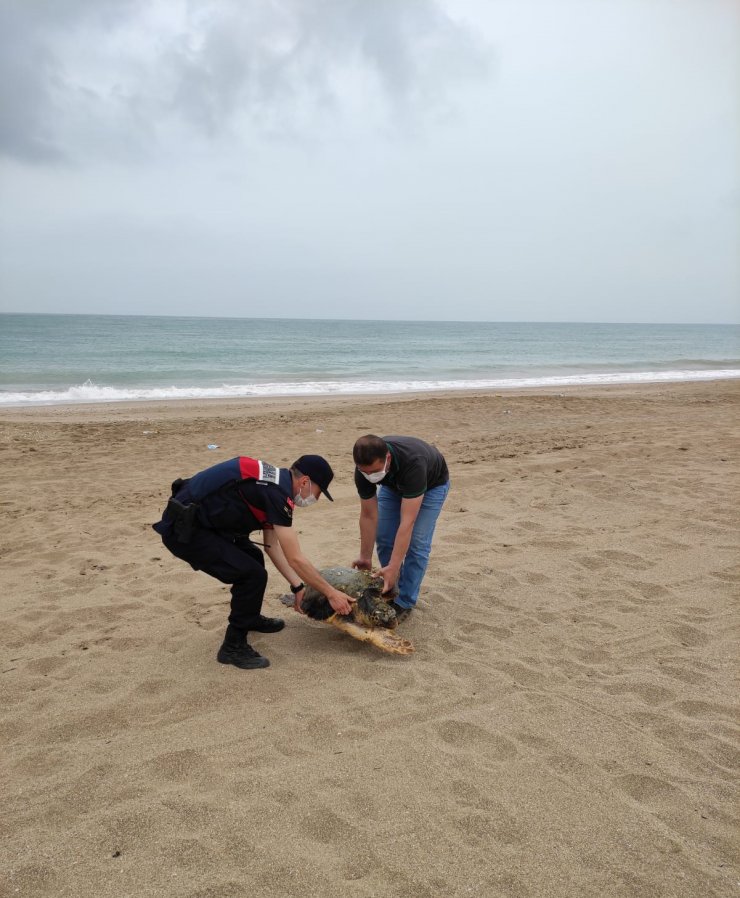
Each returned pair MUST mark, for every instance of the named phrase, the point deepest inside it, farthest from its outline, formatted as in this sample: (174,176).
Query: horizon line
(368,320)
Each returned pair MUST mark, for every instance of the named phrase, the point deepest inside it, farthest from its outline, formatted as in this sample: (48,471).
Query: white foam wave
(92,393)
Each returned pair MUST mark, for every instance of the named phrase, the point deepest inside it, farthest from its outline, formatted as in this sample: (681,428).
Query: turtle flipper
(385,640)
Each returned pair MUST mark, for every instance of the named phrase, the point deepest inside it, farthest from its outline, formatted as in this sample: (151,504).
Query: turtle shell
(370,610)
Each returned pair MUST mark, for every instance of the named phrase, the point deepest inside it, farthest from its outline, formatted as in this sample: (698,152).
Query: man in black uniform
(208,521)
(402,483)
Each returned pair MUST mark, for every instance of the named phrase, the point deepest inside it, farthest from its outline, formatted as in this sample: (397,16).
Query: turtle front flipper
(383,639)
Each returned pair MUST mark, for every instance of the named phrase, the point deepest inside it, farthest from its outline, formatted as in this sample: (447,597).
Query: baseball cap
(318,469)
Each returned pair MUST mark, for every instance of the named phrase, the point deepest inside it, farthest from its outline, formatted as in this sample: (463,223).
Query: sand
(567,727)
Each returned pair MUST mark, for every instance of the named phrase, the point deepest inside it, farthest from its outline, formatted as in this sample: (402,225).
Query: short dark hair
(369,449)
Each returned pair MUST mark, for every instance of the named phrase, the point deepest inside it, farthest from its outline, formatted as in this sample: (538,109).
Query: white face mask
(376,476)
(304,503)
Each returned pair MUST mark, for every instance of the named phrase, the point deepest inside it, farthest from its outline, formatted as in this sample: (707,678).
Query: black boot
(402,613)
(268,624)
(237,651)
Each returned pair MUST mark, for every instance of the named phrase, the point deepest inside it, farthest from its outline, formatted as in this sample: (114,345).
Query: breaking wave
(90,392)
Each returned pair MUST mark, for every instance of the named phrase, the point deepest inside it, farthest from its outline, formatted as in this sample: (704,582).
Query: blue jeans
(417,557)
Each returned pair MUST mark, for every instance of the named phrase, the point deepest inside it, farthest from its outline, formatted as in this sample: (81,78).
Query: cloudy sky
(441,159)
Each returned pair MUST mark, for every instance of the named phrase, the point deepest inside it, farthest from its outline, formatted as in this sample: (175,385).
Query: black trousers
(239,563)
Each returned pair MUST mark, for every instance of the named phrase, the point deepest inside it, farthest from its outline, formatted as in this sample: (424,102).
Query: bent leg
(241,565)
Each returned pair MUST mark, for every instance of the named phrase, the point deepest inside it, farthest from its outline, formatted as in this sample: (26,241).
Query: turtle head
(373,610)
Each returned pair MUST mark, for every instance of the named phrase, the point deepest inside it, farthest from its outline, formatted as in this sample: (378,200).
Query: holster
(183,519)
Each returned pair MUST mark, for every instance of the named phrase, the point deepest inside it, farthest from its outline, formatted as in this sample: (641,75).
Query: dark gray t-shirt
(415,468)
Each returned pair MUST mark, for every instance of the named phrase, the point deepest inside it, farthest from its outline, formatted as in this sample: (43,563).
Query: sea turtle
(372,618)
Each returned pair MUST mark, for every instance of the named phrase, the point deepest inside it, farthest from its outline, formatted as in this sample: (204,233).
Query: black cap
(318,469)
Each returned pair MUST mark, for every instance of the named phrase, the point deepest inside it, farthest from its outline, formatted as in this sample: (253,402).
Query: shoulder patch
(268,472)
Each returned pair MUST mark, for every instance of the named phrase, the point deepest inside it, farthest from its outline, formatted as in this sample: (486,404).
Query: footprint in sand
(185,765)
(591,562)
(467,735)
(561,544)
(532,526)
(725,755)
(155,686)
(728,574)
(522,674)
(609,557)
(649,590)
(532,740)
(570,766)
(325,826)
(646,789)
(684,674)
(468,795)
(478,631)
(208,617)
(48,665)
(627,559)
(593,656)
(647,693)
(689,636)
(480,828)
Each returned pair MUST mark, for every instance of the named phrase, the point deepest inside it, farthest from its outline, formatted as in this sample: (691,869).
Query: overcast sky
(520,160)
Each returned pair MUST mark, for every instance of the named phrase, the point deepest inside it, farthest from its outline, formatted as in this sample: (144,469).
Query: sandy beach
(567,726)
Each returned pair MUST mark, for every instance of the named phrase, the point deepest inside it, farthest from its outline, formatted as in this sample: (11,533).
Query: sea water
(105,358)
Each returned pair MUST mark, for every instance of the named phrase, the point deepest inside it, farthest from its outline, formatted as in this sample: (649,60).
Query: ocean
(49,359)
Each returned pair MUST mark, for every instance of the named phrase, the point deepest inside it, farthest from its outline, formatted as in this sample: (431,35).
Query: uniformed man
(402,483)
(208,522)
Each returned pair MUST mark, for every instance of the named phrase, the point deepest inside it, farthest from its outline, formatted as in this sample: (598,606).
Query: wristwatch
(296,589)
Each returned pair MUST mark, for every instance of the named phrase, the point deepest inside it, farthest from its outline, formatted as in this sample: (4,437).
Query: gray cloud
(98,78)
(28,71)
(37,56)
(356,157)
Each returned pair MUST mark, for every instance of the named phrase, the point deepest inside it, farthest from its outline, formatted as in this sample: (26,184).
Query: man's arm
(409,513)
(368,530)
(277,556)
(340,602)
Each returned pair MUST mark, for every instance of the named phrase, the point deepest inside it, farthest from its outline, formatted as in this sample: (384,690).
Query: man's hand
(362,564)
(340,602)
(389,573)
(297,602)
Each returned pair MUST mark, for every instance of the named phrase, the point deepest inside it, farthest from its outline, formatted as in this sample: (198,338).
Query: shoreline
(379,388)
(214,406)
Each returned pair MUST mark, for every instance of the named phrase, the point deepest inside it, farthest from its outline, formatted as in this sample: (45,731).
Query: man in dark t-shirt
(402,483)
(208,522)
